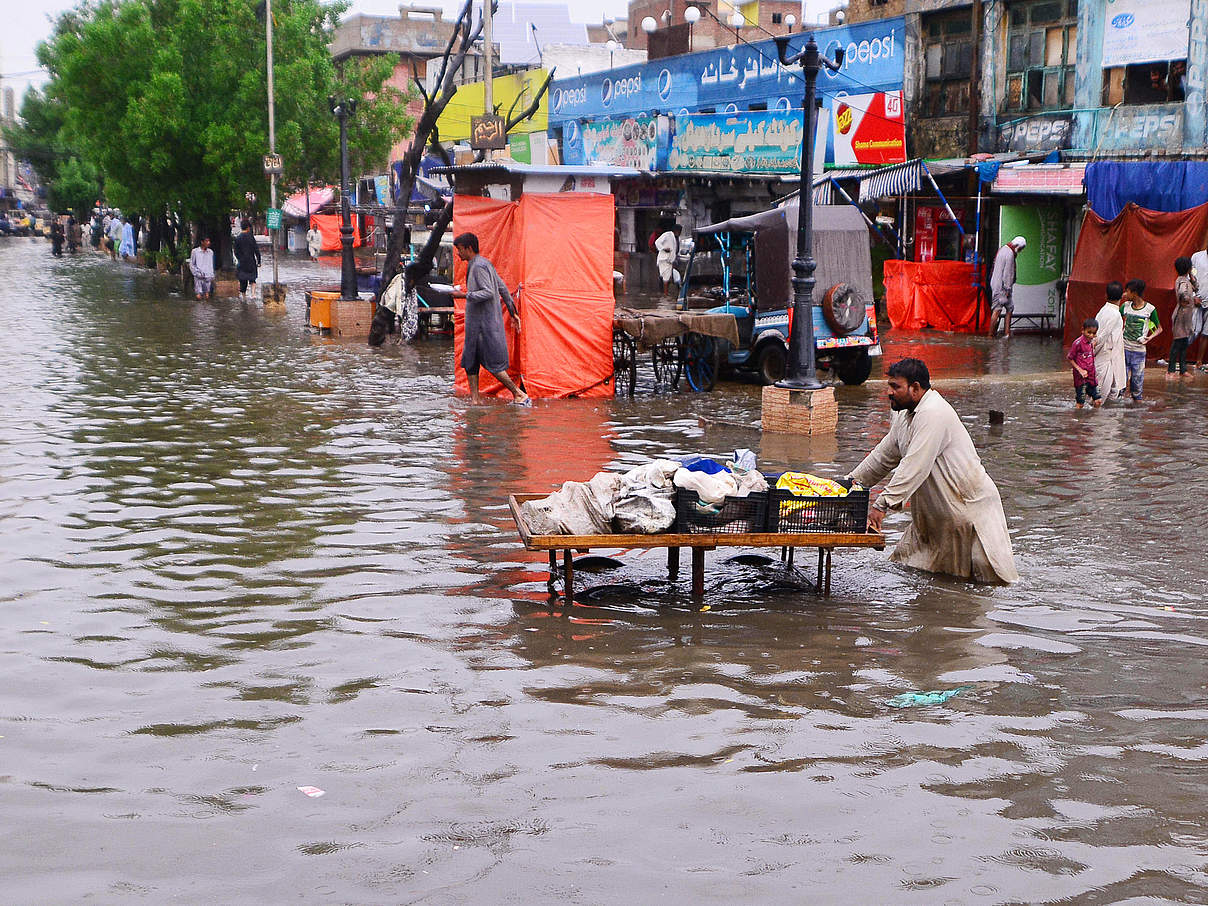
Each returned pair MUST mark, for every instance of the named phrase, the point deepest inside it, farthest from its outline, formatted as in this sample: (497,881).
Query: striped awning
(898,179)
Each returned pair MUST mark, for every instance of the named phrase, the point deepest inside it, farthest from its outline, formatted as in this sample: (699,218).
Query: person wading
(1002,284)
(958,526)
(486,344)
(247,257)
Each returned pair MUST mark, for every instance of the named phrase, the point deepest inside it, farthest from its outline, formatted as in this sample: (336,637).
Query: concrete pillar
(1088,71)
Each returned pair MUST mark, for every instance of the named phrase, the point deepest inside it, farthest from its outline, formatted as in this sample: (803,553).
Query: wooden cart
(569,544)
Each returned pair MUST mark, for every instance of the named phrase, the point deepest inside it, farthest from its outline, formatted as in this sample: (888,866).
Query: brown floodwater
(240,559)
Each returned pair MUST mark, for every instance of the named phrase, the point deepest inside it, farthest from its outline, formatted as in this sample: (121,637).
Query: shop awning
(295,205)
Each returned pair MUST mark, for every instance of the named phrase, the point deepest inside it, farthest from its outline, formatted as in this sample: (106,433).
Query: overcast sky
(28,22)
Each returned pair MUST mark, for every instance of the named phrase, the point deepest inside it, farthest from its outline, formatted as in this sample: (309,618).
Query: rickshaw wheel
(855,367)
(772,362)
(624,362)
(702,360)
(665,357)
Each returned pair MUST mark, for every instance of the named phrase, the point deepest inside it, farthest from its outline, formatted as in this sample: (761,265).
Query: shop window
(948,61)
(1145,83)
(776,18)
(1042,38)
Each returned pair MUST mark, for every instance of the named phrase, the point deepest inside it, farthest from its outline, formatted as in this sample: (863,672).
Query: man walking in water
(201,265)
(486,343)
(958,526)
(1002,283)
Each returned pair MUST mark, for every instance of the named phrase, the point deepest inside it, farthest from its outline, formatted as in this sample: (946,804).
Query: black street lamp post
(343,109)
(801,370)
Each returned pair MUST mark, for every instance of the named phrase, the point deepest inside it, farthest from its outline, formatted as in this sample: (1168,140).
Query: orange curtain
(566,303)
(938,294)
(1139,243)
(328,226)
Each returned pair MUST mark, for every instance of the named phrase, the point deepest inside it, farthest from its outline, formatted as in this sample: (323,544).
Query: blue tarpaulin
(1157,186)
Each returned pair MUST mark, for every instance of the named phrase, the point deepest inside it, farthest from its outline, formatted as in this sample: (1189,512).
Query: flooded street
(241,559)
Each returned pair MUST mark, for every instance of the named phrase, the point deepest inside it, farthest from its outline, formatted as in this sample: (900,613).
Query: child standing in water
(1082,357)
(1141,325)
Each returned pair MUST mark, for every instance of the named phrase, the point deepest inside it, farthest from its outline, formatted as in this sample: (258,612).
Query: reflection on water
(241,559)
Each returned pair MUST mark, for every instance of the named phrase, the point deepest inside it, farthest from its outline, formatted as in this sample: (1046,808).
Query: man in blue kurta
(486,344)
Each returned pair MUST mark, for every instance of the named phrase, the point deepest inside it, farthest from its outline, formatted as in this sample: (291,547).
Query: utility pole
(272,128)
(488,54)
(801,367)
(974,78)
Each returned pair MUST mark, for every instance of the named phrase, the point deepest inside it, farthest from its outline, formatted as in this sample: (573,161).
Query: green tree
(168,98)
(42,139)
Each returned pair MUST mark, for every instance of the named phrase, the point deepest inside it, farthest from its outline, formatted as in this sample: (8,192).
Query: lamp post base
(807,411)
(800,384)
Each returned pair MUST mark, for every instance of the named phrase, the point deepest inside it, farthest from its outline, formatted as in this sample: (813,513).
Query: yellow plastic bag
(802,484)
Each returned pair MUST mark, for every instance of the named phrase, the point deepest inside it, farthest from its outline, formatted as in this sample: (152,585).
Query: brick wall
(709,32)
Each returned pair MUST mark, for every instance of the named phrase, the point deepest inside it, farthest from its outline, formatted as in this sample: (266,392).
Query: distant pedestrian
(1082,357)
(1183,320)
(114,232)
(56,237)
(314,242)
(1109,345)
(486,344)
(247,257)
(667,246)
(126,249)
(201,265)
(1198,346)
(1141,325)
(1002,284)
(75,234)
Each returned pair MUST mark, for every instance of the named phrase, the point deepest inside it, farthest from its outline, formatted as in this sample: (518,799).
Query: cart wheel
(701,361)
(667,363)
(624,362)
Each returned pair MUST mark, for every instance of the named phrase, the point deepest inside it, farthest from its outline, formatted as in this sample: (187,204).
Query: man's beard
(898,407)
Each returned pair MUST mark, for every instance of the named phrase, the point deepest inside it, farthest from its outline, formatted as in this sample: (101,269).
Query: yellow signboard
(454,123)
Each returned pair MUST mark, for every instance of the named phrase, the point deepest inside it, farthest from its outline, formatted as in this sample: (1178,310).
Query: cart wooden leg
(790,560)
(829,570)
(568,575)
(698,573)
(821,571)
(553,571)
(673,563)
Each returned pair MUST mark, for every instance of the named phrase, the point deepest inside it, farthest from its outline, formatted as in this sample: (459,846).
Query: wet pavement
(241,559)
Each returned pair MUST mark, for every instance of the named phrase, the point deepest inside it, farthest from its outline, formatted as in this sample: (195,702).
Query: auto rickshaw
(743,266)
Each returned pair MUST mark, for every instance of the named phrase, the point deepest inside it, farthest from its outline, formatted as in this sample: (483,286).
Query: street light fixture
(649,25)
(612,49)
(790,20)
(737,20)
(342,109)
(801,370)
(691,16)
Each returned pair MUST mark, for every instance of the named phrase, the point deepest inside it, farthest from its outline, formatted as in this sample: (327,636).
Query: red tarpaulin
(939,294)
(328,226)
(1139,243)
(559,246)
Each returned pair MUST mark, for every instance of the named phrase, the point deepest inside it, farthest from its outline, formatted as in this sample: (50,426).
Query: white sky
(27,22)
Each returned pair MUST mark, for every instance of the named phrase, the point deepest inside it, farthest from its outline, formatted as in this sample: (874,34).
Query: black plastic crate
(736,515)
(793,514)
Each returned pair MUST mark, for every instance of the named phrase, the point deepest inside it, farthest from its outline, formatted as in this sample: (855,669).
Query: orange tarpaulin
(559,247)
(939,294)
(1139,243)
(328,226)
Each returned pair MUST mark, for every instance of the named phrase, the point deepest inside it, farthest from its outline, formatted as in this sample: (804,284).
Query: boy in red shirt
(1082,356)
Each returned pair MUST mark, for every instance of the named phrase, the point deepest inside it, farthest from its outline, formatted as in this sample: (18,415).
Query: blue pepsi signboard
(730,79)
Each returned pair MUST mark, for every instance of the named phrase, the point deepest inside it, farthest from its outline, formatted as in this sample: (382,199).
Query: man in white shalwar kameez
(958,525)
(1109,346)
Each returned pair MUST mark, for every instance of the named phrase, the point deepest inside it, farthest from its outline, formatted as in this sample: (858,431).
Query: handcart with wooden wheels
(681,345)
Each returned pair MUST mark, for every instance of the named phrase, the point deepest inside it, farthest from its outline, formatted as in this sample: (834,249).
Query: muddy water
(239,559)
